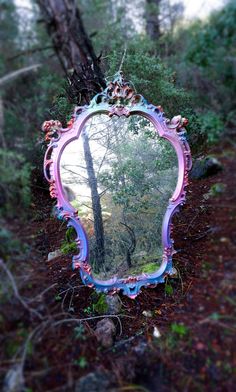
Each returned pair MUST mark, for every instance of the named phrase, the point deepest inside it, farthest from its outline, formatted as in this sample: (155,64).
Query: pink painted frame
(59,137)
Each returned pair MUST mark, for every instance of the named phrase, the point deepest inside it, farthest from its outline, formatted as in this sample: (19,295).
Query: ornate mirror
(119,172)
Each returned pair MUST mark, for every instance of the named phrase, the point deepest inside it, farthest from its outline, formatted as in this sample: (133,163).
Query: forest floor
(47,322)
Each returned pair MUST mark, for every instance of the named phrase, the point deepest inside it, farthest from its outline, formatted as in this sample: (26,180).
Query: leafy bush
(8,243)
(156,82)
(204,62)
(150,77)
(212,126)
(15,182)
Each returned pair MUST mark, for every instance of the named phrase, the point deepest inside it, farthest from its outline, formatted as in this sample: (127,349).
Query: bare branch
(15,74)
(16,292)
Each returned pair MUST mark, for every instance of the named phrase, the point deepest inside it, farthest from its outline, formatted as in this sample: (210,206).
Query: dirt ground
(194,313)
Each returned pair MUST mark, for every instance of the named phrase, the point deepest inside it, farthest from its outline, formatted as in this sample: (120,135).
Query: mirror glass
(120,175)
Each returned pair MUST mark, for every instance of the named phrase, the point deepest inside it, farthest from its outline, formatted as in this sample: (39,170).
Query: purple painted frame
(118,99)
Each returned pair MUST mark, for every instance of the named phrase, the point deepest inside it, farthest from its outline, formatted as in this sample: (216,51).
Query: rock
(53,255)
(94,382)
(140,348)
(147,313)
(114,304)
(14,380)
(174,273)
(205,167)
(105,332)
(156,332)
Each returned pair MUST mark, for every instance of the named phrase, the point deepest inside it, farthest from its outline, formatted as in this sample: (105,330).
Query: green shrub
(15,182)
(212,126)
(204,61)
(101,305)
(8,243)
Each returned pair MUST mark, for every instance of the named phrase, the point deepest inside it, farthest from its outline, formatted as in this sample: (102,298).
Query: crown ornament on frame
(118,99)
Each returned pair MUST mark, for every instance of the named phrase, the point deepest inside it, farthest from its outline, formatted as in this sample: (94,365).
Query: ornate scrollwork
(51,128)
(53,189)
(177,123)
(119,92)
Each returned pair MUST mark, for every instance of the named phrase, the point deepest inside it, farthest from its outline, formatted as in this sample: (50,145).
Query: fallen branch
(208,320)
(16,291)
(40,295)
(68,320)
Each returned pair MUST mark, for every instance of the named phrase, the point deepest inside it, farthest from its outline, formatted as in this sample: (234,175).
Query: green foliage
(215,190)
(15,182)
(101,305)
(80,332)
(70,234)
(81,362)
(150,77)
(13,345)
(205,64)
(168,289)
(58,298)
(11,348)
(69,245)
(88,310)
(68,248)
(212,126)
(156,82)
(179,330)
(8,33)
(8,243)
(150,268)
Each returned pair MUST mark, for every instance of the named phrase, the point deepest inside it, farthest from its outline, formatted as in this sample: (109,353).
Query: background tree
(73,47)
(153,19)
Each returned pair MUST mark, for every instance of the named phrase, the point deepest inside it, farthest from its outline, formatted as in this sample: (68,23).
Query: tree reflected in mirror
(119,175)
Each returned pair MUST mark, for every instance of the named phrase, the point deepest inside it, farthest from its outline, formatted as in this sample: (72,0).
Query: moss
(150,268)
(101,305)
(68,247)
(215,190)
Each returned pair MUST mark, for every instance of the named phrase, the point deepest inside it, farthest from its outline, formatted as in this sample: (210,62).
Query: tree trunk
(2,138)
(152,19)
(81,66)
(73,47)
(96,205)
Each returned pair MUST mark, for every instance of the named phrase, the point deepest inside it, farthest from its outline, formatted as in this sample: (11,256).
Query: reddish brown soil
(199,359)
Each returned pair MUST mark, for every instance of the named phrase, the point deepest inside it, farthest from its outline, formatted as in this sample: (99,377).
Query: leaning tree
(82,68)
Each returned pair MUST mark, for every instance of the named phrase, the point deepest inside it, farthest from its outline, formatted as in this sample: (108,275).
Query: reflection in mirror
(120,175)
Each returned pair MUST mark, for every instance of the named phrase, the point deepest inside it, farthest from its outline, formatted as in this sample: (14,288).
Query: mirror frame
(118,99)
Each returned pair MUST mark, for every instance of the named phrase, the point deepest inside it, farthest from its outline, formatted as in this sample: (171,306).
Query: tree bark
(152,19)
(81,66)
(2,138)
(96,205)
(74,48)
